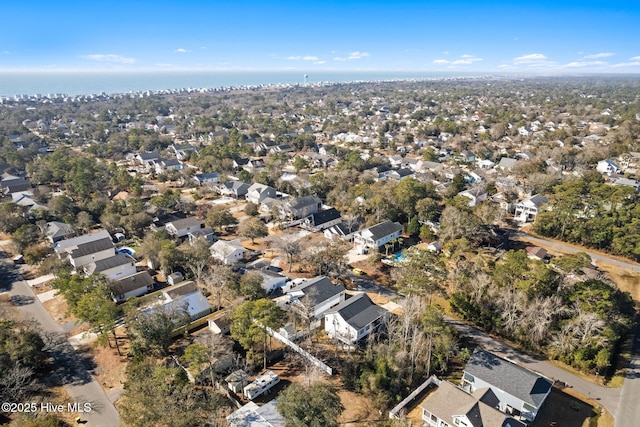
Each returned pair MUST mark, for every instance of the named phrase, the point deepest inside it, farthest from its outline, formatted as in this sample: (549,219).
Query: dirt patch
(359,410)
(57,308)
(111,367)
(625,280)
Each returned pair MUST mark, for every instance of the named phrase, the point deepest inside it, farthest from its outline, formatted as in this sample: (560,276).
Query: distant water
(87,83)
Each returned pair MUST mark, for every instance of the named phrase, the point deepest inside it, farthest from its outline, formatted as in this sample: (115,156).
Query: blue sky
(494,36)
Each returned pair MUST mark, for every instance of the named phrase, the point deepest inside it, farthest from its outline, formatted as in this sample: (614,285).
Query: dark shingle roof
(130,283)
(92,247)
(302,202)
(322,217)
(318,290)
(383,229)
(108,263)
(359,311)
(519,382)
(190,221)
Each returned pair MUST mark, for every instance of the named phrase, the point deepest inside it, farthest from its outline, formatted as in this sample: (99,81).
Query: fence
(300,350)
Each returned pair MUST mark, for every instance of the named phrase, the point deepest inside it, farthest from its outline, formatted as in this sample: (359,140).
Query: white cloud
(440,61)
(582,64)
(109,58)
(303,58)
(320,62)
(599,55)
(635,58)
(466,60)
(352,56)
(628,64)
(531,58)
(181,50)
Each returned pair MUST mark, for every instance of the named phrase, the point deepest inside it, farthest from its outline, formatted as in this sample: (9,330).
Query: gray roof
(318,290)
(109,263)
(15,184)
(70,244)
(92,247)
(206,176)
(305,201)
(130,283)
(502,374)
(58,229)
(181,289)
(148,156)
(189,221)
(359,311)
(383,229)
(449,401)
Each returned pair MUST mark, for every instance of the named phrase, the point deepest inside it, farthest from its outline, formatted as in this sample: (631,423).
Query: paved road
(557,246)
(607,397)
(71,368)
(628,410)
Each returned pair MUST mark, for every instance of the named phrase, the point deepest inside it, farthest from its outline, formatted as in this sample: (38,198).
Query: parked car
(18,259)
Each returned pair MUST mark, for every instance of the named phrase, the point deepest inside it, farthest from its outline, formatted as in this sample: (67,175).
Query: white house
(206,178)
(56,231)
(85,249)
(272,280)
(182,227)
(131,286)
(528,209)
(354,319)
(252,415)
(256,193)
(322,220)
(314,297)
(301,207)
(517,390)
(227,251)
(377,235)
(186,294)
(475,195)
(114,268)
(608,167)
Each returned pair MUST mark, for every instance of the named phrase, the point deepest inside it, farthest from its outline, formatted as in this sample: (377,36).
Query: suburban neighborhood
(412,253)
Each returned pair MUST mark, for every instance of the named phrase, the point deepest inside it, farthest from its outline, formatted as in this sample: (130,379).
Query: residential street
(608,397)
(71,368)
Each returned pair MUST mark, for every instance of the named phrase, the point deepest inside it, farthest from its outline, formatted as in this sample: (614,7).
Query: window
(468,377)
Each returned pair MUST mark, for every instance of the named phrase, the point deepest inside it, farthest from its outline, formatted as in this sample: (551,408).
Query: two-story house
(113,268)
(300,207)
(354,319)
(376,236)
(529,208)
(182,227)
(256,193)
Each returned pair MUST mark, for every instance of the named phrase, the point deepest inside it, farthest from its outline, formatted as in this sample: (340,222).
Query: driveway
(70,368)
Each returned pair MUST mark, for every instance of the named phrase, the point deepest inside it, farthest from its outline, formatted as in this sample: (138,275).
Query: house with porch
(113,268)
(312,298)
(529,208)
(354,319)
(257,192)
(228,251)
(322,220)
(516,391)
(300,207)
(131,286)
(451,406)
(182,227)
(376,236)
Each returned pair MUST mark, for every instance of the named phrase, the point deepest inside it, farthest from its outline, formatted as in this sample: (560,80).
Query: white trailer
(261,385)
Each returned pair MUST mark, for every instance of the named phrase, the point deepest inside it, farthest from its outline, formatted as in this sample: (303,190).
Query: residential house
(400,174)
(85,249)
(507,164)
(536,252)
(272,280)
(12,184)
(113,268)
(148,160)
(528,209)
(252,415)
(175,278)
(301,207)
(627,182)
(467,156)
(451,406)
(314,297)
(517,390)
(608,167)
(342,230)
(205,233)
(56,231)
(237,189)
(475,195)
(209,178)
(354,319)
(221,324)
(182,227)
(131,286)
(228,251)
(322,220)
(165,165)
(376,236)
(183,151)
(187,295)
(256,193)
(285,148)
